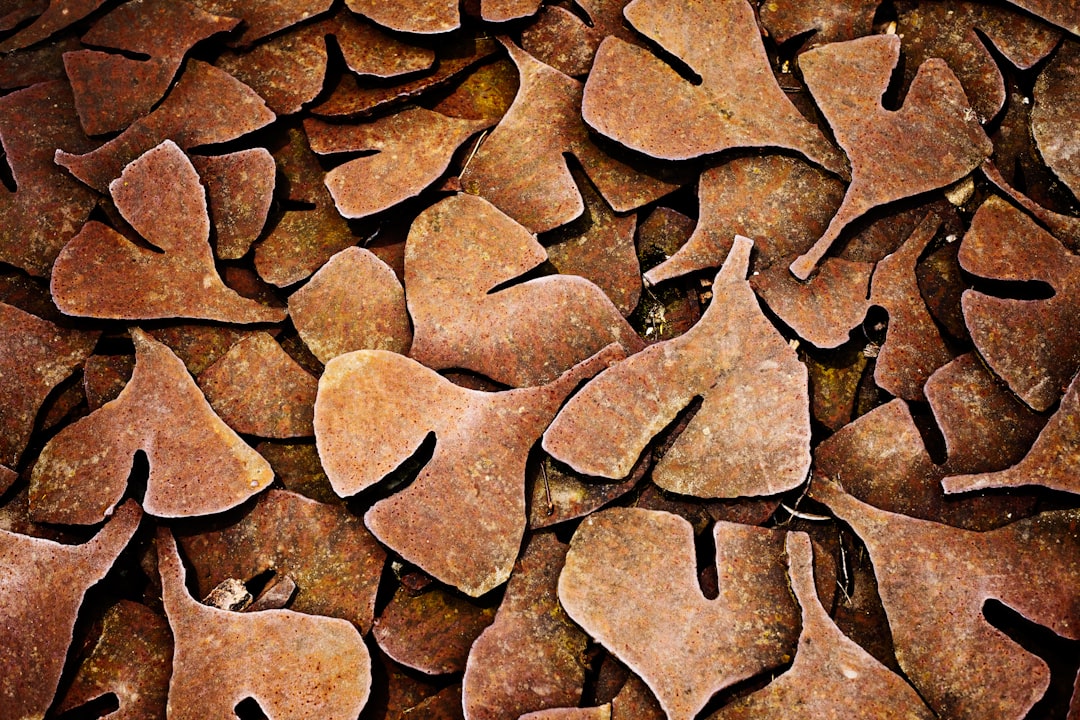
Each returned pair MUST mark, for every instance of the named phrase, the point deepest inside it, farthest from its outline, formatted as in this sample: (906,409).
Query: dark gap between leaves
(249,709)
(100,707)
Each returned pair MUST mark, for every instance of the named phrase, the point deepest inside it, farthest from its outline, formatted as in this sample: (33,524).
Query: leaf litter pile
(582,359)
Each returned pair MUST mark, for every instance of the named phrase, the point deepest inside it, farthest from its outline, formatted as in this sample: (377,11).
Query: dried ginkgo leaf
(266,16)
(240,189)
(379,179)
(751,435)
(287,534)
(567,42)
(602,712)
(162,31)
(933,140)
(934,581)
(291,664)
(504,10)
(521,167)
(831,677)
(637,99)
(43,588)
(354,302)
(1054,116)
(458,252)
(102,274)
(48,206)
(58,15)
(530,658)
(463,517)
(827,20)
(1013,335)
(35,356)
(257,389)
(1063,14)
(198,465)
(205,106)
(413,16)
(684,646)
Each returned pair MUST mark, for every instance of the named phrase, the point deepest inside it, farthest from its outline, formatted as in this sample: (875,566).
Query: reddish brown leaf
(932,141)
(297,466)
(131,659)
(48,206)
(684,646)
(333,318)
(431,632)
(199,346)
(830,21)
(266,16)
(934,581)
(198,465)
(1054,117)
(1063,14)
(301,665)
(558,495)
(602,712)
(286,71)
(369,50)
(1013,335)
(414,16)
(1065,227)
(376,408)
(240,188)
(102,274)
(636,701)
(16,12)
(257,389)
(504,10)
(58,15)
(561,39)
(637,99)
(205,106)
(461,249)
(44,585)
(114,90)
(521,166)
(751,435)
(377,181)
(287,534)
(530,658)
(43,63)
(35,356)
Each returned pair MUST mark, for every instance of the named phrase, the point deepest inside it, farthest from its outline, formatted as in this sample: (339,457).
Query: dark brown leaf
(564,41)
(58,15)
(1054,116)
(830,21)
(240,189)
(266,16)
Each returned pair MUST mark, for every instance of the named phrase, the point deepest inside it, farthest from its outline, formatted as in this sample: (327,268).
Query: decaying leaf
(198,465)
(829,21)
(458,253)
(521,169)
(1013,336)
(932,141)
(354,302)
(58,15)
(530,658)
(266,16)
(637,99)
(602,712)
(412,16)
(240,189)
(934,580)
(44,585)
(100,273)
(375,182)
(205,106)
(1054,117)
(566,42)
(287,534)
(301,665)
(751,435)
(630,581)
(1063,14)
(463,517)
(559,494)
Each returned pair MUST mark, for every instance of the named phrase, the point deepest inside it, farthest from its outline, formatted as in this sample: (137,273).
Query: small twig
(843,582)
(479,142)
(805,516)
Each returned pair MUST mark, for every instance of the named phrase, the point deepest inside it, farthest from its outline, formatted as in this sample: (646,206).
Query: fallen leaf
(265,17)
(44,586)
(100,273)
(505,10)
(827,21)
(930,142)
(1065,227)
(558,494)
(205,106)
(934,581)
(58,15)
(42,63)
(198,466)
(530,658)
(297,466)
(684,646)
(240,189)
(199,346)
(568,43)
(1064,15)
(751,435)
(635,701)
(1053,117)
(411,16)
(301,663)
(459,252)
(602,712)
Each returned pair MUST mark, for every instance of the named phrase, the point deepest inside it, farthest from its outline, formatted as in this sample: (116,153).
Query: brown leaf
(333,318)
(297,466)
(559,494)
(684,646)
(35,356)
(751,435)
(830,21)
(412,16)
(373,412)
(1054,116)
(637,99)
(301,664)
(932,141)
(1065,227)
(58,15)
(266,16)
(44,586)
(530,658)
(602,712)
(100,273)
(1063,14)
(1012,335)
(205,106)
(934,581)
(240,188)
(504,10)
(485,93)
(521,166)
(48,206)
(43,63)
(257,389)
(198,466)
(287,71)
(286,534)
(564,41)
(380,180)
(199,346)
(458,252)
(113,90)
